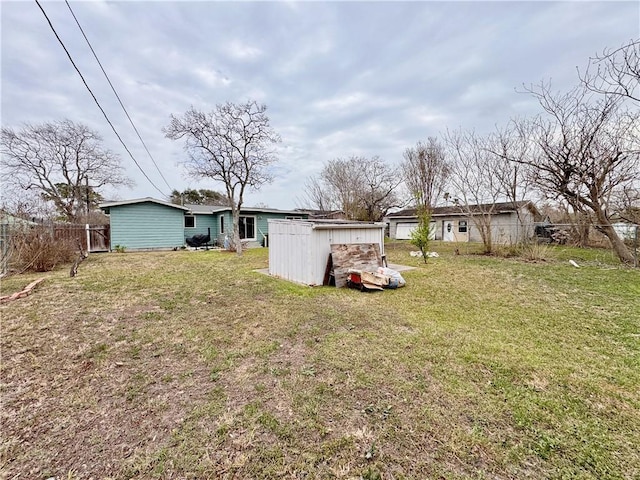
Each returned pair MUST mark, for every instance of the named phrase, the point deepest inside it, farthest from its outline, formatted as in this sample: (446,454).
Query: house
(511,222)
(149,223)
(299,249)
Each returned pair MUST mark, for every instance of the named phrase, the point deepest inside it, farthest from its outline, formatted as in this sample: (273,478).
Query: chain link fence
(5,238)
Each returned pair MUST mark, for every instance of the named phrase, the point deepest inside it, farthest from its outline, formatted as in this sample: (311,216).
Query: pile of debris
(382,278)
(361,266)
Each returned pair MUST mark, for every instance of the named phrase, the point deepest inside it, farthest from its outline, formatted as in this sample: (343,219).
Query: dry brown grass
(191,365)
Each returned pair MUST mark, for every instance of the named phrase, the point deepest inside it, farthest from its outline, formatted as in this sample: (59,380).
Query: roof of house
(133,201)
(320,213)
(196,209)
(501,207)
(8,219)
(205,209)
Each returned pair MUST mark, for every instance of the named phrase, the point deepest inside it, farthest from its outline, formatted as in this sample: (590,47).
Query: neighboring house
(9,220)
(627,231)
(510,222)
(148,223)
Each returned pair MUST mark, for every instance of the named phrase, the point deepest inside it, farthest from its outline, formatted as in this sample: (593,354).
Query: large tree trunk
(236,230)
(483,225)
(620,249)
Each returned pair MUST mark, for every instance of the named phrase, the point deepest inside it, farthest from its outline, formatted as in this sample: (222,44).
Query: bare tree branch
(615,72)
(426,172)
(233,144)
(583,150)
(363,188)
(56,159)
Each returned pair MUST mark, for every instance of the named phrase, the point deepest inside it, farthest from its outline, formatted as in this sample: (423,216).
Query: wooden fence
(93,238)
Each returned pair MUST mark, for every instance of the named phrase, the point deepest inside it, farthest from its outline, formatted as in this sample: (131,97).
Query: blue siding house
(149,223)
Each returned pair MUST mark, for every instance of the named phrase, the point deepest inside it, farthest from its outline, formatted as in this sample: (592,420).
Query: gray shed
(299,249)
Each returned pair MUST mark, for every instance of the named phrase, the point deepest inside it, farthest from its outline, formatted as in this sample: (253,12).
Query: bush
(35,249)
(536,251)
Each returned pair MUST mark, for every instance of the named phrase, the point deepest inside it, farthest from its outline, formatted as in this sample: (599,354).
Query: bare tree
(626,203)
(475,177)
(615,71)
(584,149)
(365,189)
(426,172)
(317,196)
(233,144)
(513,179)
(64,162)
(377,193)
(341,179)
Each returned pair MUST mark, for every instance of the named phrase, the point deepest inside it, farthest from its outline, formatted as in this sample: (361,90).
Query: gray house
(510,222)
(148,223)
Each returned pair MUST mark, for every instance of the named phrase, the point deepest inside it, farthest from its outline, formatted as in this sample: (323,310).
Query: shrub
(508,250)
(35,249)
(536,251)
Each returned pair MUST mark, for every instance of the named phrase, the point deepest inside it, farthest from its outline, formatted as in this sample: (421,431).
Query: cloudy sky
(339,78)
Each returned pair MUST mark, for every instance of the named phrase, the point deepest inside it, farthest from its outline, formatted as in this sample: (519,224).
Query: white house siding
(299,250)
(506,228)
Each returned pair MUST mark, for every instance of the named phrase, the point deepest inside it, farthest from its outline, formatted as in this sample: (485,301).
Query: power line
(95,99)
(116,94)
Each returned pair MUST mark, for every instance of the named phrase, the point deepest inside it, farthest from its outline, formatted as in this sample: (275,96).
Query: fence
(92,238)
(5,238)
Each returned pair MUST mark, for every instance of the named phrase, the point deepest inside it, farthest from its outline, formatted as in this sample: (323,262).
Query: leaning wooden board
(360,256)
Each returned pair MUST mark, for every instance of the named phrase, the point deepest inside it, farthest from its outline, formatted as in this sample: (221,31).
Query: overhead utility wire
(96,100)
(116,94)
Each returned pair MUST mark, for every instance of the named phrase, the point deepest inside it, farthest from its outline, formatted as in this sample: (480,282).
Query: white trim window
(189,221)
(221,217)
(247,227)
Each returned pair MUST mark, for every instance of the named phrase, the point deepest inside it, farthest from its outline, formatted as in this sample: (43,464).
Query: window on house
(221,223)
(189,221)
(247,228)
(289,217)
(462,226)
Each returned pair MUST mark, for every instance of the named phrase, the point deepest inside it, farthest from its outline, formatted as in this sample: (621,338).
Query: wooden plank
(359,256)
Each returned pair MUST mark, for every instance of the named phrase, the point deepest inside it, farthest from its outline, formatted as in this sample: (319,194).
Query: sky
(338,78)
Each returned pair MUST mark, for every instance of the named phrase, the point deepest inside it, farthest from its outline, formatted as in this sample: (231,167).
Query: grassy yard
(192,365)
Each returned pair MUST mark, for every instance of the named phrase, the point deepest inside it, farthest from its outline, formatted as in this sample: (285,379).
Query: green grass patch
(193,365)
